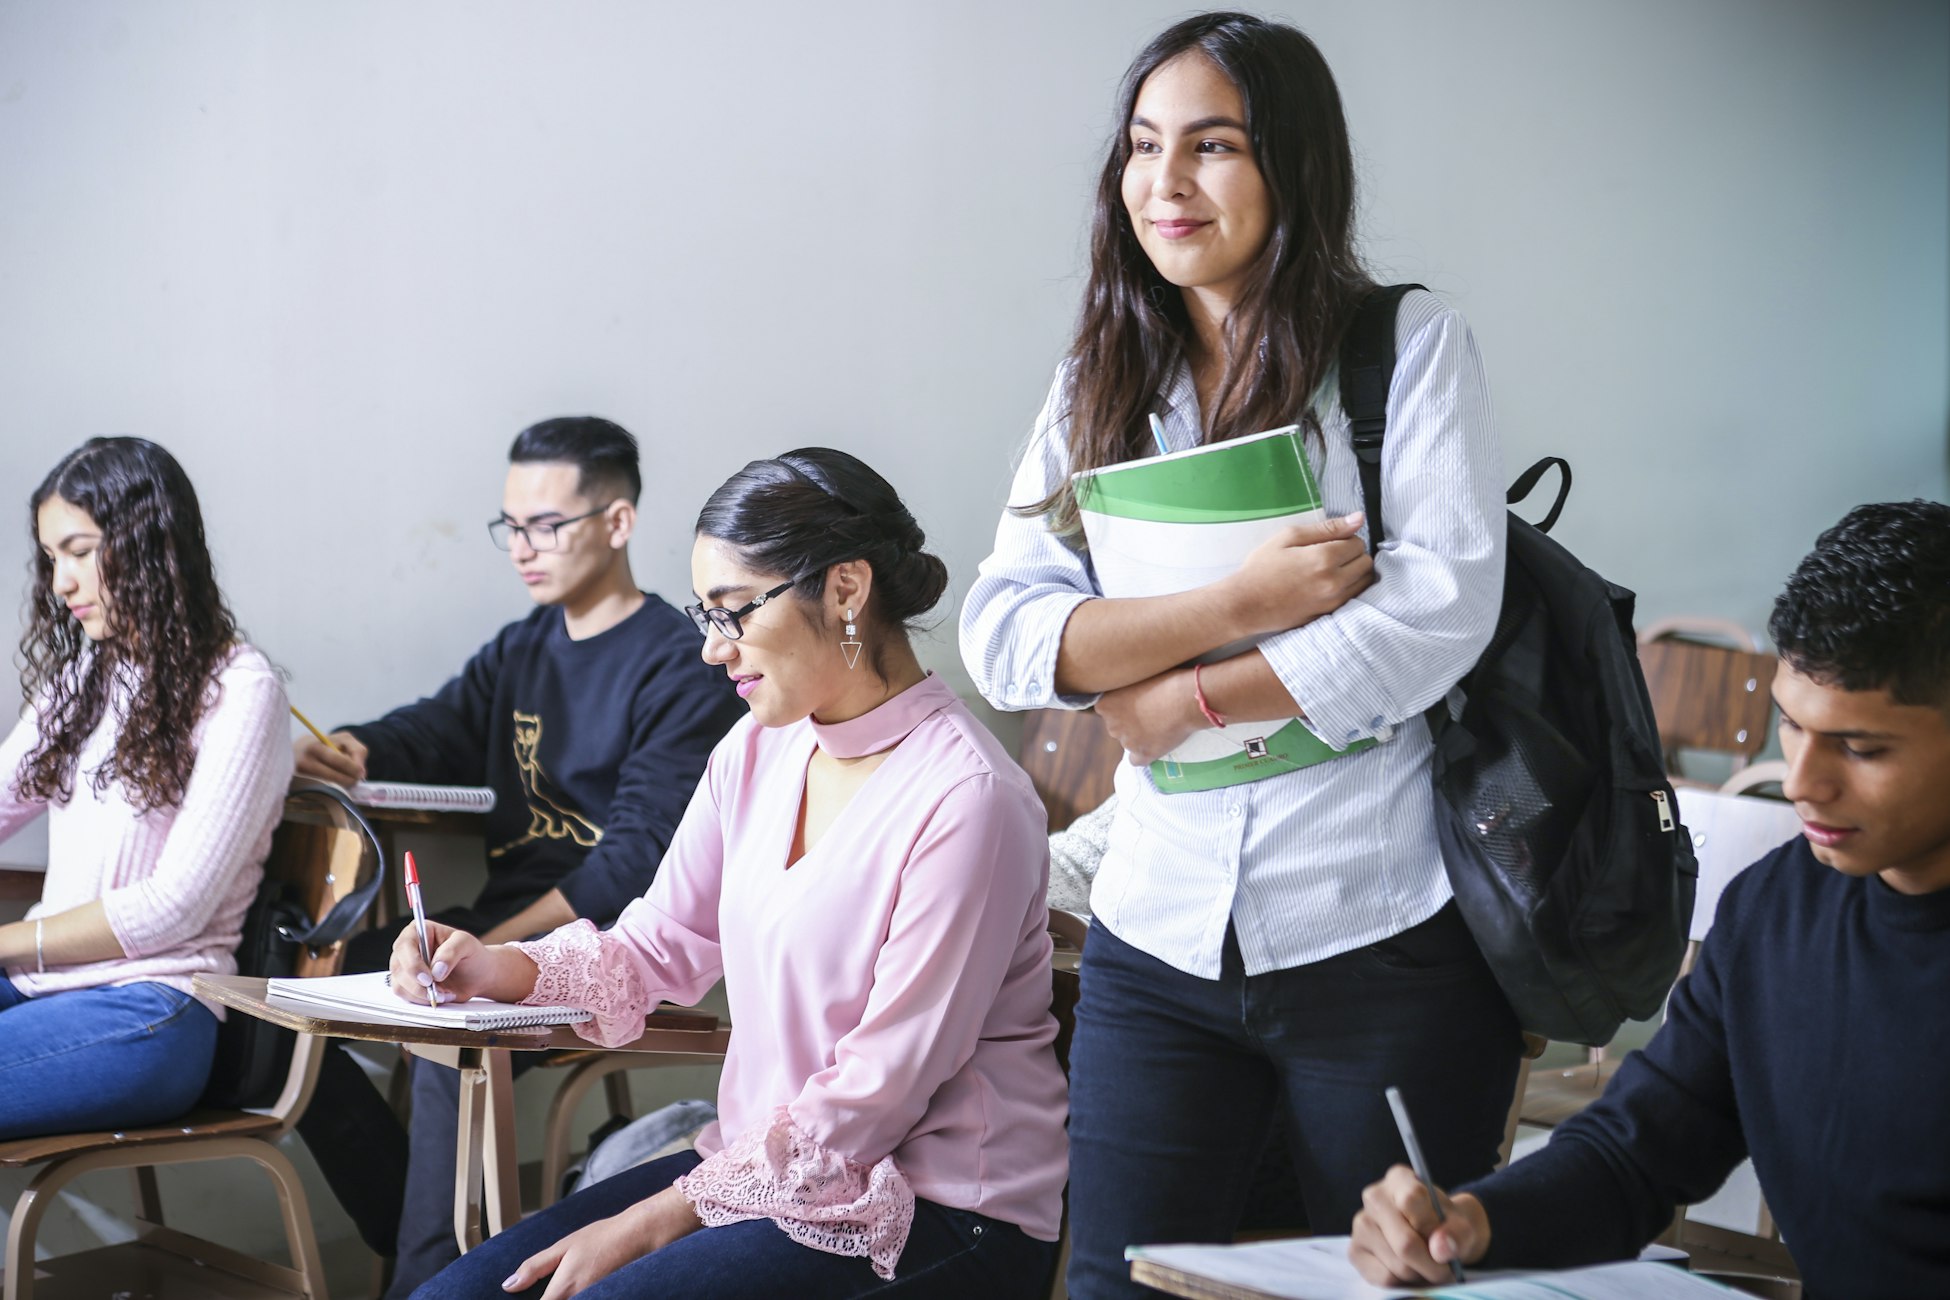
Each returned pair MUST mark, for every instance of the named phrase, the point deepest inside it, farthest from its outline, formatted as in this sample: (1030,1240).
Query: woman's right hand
(1298,574)
(463,967)
(345,765)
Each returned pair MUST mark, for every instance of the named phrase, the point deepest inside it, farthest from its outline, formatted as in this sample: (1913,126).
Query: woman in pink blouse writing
(865,867)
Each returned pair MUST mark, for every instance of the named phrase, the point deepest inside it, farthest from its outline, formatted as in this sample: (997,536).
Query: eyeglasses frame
(718,616)
(553,525)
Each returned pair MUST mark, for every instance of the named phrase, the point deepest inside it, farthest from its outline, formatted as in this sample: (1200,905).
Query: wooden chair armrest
(18,884)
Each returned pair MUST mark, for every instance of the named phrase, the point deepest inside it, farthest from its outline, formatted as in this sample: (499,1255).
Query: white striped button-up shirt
(1331,857)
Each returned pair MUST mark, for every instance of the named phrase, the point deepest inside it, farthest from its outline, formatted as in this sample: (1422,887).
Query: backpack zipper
(1665,810)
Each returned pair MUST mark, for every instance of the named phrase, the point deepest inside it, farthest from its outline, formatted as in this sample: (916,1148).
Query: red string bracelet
(1212,716)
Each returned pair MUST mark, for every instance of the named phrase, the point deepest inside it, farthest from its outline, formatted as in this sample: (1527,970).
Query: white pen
(420,923)
(1417,1163)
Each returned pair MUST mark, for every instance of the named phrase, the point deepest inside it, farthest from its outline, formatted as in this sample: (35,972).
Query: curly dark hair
(169,628)
(1869,608)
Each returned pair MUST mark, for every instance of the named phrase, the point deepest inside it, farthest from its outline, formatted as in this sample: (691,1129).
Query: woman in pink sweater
(866,869)
(158,745)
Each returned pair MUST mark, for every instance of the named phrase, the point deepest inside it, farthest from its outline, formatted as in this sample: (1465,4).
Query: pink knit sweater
(175,882)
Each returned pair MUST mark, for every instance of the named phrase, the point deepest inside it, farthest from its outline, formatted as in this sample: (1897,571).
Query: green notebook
(1179,521)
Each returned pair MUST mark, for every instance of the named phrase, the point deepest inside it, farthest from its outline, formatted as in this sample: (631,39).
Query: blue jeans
(1175,1082)
(950,1254)
(118,1057)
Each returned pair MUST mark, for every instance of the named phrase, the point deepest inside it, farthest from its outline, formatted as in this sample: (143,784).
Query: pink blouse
(890,993)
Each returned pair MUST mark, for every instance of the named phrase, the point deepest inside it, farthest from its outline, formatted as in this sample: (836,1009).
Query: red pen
(420,923)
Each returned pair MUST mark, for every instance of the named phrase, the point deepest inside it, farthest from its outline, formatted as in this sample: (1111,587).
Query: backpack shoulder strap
(1367,368)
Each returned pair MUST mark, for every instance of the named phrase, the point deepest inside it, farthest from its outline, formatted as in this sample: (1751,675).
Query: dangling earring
(850,643)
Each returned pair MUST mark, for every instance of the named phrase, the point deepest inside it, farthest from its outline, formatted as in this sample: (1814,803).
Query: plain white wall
(335,255)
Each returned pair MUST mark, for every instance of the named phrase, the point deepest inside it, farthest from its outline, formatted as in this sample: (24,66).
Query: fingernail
(1358,517)
(512,1282)
(425,979)
(440,970)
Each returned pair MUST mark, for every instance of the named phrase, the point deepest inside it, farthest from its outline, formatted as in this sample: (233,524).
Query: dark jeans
(359,1144)
(1174,1081)
(950,1254)
(425,1241)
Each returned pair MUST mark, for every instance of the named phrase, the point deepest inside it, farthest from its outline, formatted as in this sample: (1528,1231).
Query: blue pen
(1158,433)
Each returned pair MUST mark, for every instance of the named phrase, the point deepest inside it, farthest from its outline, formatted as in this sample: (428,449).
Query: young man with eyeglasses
(591,719)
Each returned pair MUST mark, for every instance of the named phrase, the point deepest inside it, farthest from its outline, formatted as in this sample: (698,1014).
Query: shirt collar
(885,725)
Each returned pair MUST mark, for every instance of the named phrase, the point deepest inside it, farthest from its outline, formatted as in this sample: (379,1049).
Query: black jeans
(950,1255)
(1174,1081)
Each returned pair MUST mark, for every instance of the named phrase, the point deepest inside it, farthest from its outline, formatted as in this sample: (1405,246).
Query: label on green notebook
(1175,522)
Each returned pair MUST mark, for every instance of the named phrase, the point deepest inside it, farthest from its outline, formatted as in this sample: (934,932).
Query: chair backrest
(321,852)
(1730,833)
(1709,697)
(1071,759)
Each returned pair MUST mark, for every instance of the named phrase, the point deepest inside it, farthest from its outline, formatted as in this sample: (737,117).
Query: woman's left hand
(1152,717)
(588,1255)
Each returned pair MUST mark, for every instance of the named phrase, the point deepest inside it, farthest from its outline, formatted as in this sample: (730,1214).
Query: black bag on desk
(1559,830)
(253,1057)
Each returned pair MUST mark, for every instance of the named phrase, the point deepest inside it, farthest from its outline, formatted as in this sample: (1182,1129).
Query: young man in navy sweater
(591,719)
(1814,1034)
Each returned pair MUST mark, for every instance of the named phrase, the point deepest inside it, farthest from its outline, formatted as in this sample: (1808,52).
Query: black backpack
(1559,830)
(253,1056)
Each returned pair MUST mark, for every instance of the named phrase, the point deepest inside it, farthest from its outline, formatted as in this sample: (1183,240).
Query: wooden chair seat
(200,1123)
(324,857)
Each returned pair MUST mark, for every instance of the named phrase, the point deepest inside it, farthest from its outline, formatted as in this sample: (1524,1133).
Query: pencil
(323,739)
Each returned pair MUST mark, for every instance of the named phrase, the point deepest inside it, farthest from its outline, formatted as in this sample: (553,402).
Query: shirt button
(1353,734)
(1233,810)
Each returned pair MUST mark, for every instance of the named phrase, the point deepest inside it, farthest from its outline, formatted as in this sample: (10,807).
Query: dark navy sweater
(593,749)
(1814,1036)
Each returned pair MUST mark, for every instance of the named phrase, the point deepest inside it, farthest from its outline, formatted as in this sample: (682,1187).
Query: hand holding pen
(1408,1231)
(420,924)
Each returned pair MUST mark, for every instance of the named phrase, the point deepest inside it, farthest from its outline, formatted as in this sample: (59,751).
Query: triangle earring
(850,643)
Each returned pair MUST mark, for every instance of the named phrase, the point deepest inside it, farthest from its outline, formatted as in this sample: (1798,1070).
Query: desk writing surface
(1318,1268)
(246,993)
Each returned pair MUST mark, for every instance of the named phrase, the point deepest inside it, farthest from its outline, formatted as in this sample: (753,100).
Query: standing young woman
(866,868)
(1288,943)
(157,743)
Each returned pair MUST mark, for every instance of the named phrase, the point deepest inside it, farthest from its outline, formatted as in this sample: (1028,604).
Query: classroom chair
(1704,696)
(324,852)
(1070,758)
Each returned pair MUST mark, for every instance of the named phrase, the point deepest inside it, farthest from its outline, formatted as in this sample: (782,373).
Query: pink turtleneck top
(890,993)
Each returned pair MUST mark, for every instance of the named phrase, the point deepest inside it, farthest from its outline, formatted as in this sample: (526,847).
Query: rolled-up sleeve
(1024,593)
(1392,651)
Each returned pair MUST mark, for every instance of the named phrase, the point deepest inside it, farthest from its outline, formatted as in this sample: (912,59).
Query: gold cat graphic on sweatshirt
(547,819)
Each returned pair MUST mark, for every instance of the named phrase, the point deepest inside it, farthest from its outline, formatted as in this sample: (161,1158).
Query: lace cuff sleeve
(818,1197)
(581,966)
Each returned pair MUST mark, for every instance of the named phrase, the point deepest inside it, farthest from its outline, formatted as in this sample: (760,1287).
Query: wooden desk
(485,1163)
(1171,1281)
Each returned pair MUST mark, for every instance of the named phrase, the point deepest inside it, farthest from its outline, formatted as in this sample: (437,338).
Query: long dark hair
(1282,335)
(169,628)
(799,514)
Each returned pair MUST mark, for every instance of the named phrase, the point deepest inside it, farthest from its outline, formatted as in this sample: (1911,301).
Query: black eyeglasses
(726,620)
(540,537)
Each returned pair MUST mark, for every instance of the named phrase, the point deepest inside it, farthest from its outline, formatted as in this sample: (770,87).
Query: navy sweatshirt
(593,748)
(1813,1035)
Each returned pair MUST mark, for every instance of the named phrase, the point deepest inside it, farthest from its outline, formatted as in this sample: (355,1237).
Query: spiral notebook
(426,798)
(370,998)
